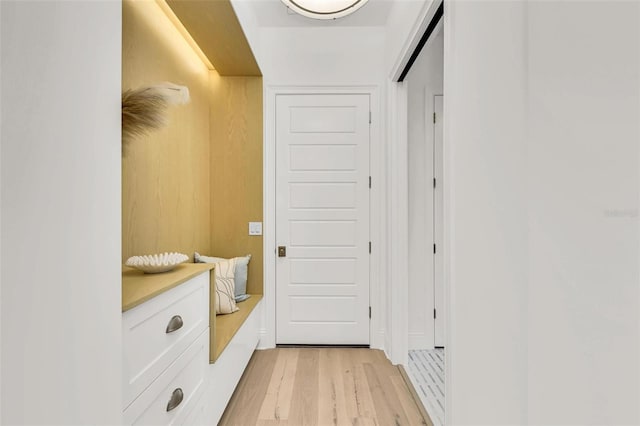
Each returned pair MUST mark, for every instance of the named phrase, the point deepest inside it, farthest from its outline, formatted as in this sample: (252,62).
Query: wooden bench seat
(226,326)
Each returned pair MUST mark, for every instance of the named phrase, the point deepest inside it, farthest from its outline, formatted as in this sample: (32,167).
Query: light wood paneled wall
(194,185)
(166,189)
(236,171)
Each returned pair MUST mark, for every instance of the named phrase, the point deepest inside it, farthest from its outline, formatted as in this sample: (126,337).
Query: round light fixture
(324,9)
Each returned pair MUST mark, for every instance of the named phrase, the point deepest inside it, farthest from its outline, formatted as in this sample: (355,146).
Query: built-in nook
(194,185)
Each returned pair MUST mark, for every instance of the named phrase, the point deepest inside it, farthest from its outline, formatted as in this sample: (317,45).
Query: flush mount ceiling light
(324,9)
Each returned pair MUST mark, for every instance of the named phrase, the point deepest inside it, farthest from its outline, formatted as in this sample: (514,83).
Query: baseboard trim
(263,338)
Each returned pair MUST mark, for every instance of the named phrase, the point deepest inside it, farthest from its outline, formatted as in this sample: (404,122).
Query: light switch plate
(255,228)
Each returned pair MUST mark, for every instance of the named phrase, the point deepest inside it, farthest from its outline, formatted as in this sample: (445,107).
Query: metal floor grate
(426,370)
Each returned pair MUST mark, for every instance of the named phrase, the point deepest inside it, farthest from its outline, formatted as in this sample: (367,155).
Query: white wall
(322,55)
(423,82)
(541,139)
(485,149)
(583,182)
(60,264)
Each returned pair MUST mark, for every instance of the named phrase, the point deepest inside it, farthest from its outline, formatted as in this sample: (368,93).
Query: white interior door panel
(322,218)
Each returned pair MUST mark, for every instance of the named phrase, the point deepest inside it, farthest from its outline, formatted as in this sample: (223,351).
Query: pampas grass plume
(144,109)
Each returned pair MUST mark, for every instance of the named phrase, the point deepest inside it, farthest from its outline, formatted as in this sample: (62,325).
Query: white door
(322,219)
(438,223)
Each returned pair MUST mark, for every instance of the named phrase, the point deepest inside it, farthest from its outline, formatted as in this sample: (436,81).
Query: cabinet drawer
(149,344)
(187,373)
(196,415)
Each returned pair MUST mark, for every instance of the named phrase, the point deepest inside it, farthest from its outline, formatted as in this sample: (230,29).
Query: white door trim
(439,323)
(397,344)
(448,230)
(427,11)
(377,267)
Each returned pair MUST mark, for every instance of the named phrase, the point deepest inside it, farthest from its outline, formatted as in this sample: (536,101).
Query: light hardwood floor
(321,386)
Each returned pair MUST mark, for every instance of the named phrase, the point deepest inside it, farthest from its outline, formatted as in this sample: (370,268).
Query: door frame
(438,225)
(377,217)
(397,134)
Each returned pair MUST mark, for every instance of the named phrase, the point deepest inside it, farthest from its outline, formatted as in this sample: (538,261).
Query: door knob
(282,251)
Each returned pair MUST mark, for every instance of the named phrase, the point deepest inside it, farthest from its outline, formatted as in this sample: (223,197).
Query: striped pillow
(225,300)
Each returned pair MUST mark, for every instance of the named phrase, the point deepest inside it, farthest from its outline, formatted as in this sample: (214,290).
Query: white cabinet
(166,354)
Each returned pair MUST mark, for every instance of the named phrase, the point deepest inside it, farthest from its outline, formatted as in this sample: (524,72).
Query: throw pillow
(241,272)
(224,275)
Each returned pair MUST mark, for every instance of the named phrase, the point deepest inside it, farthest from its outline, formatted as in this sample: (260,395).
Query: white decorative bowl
(155,263)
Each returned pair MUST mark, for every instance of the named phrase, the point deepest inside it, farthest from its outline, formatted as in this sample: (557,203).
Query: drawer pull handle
(176,398)
(175,323)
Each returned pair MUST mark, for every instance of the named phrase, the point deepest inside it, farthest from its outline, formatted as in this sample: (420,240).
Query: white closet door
(322,219)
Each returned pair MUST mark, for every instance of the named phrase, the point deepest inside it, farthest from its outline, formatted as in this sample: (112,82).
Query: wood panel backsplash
(194,185)
(166,191)
(236,171)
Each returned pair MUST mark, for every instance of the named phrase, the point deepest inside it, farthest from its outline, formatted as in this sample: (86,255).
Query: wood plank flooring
(321,386)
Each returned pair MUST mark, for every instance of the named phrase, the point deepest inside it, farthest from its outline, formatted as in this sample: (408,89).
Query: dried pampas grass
(144,109)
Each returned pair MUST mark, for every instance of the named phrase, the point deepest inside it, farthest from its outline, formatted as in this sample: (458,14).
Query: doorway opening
(426,323)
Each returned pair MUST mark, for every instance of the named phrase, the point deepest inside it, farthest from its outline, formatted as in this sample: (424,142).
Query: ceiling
(273,13)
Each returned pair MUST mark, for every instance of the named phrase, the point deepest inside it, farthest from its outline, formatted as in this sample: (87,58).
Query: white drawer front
(187,373)
(148,348)
(196,415)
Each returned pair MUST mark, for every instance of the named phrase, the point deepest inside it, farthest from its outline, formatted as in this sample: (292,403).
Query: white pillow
(224,275)
(240,273)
